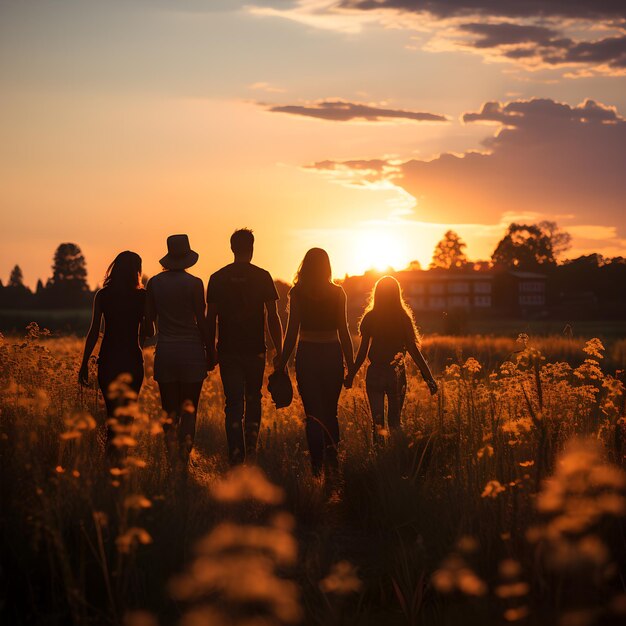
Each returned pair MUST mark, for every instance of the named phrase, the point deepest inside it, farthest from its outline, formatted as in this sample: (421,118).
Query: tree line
(523,247)
(67,288)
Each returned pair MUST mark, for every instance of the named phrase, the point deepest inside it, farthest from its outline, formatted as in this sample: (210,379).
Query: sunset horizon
(455,118)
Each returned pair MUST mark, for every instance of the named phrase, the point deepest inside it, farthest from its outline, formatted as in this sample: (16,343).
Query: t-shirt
(172,293)
(240,291)
(388,340)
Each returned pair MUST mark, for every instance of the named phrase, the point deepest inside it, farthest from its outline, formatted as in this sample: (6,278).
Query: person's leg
(396,392)
(376,395)
(233,382)
(308,388)
(331,379)
(189,397)
(254,366)
(170,402)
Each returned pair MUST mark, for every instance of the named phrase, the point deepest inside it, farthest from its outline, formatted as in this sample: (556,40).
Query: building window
(532,286)
(458,301)
(532,300)
(436,288)
(458,287)
(436,303)
(482,301)
(482,287)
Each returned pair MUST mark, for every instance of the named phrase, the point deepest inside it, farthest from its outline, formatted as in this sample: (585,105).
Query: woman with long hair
(388,332)
(175,302)
(318,323)
(121,303)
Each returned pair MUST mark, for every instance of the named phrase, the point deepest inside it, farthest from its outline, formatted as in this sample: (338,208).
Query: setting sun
(378,250)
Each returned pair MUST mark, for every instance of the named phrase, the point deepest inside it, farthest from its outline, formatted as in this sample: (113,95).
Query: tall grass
(483,510)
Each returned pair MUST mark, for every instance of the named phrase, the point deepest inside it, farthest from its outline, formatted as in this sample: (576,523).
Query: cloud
(544,158)
(582,9)
(341,111)
(267,87)
(585,35)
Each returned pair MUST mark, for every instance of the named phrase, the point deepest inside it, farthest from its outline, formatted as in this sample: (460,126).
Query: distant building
(475,292)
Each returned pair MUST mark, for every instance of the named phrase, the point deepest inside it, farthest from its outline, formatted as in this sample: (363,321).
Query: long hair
(388,307)
(125,272)
(314,273)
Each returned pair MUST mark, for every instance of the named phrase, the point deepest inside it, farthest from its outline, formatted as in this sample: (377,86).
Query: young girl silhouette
(121,303)
(387,333)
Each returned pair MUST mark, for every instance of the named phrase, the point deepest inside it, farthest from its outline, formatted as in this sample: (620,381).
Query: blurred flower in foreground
(234,577)
(492,489)
(342,579)
(581,505)
(456,575)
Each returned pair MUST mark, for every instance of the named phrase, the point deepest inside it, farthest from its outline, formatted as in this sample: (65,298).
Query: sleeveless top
(172,293)
(319,313)
(123,312)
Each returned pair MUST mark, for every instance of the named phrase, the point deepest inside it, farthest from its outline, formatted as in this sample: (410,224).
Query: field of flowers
(503,501)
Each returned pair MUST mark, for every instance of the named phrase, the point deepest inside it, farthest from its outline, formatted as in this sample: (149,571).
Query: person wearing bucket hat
(241,300)
(175,302)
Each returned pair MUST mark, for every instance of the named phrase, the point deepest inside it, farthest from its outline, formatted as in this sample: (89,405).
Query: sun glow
(378,250)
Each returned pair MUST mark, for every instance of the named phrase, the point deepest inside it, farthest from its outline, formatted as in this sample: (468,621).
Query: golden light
(378,250)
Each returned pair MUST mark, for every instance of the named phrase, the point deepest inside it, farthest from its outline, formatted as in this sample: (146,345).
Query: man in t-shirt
(238,297)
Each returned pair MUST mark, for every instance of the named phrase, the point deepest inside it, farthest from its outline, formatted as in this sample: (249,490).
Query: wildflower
(129,539)
(247,483)
(342,579)
(594,348)
(472,366)
(492,489)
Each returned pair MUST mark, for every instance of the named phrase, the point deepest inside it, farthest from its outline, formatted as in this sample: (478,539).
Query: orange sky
(125,122)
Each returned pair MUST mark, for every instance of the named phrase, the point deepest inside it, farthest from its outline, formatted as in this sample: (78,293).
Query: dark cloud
(580,9)
(545,45)
(340,111)
(532,36)
(545,157)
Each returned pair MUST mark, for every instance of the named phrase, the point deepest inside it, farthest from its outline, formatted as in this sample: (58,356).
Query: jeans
(242,379)
(385,381)
(319,374)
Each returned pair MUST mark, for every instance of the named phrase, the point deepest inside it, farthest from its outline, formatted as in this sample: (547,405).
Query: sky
(366,127)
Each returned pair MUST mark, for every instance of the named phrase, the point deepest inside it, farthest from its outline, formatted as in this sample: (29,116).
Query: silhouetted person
(121,302)
(238,297)
(317,316)
(387,332)
(175,302)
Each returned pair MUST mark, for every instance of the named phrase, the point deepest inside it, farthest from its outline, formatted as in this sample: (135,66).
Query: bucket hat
(179,253)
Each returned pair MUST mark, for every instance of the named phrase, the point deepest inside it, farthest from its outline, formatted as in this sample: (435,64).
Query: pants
(180,402)
(242,379)
(319,374)
(385,381)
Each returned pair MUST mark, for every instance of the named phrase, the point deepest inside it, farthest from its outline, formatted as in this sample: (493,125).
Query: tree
(68,286)
(69,267)
(449,252)
(524,247)
(16,279)
(560,240)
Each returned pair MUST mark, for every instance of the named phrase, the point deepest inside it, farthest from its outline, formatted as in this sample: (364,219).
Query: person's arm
(91,340)
(366,338)
(211,329)
(291,336)
(344,334)
(275,329)
(146,326)
(198,304)
(420,361)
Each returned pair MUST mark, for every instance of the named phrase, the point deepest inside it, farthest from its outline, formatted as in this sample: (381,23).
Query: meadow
(503,500)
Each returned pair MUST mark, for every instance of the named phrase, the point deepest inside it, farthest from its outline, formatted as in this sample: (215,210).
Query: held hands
(349,379)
